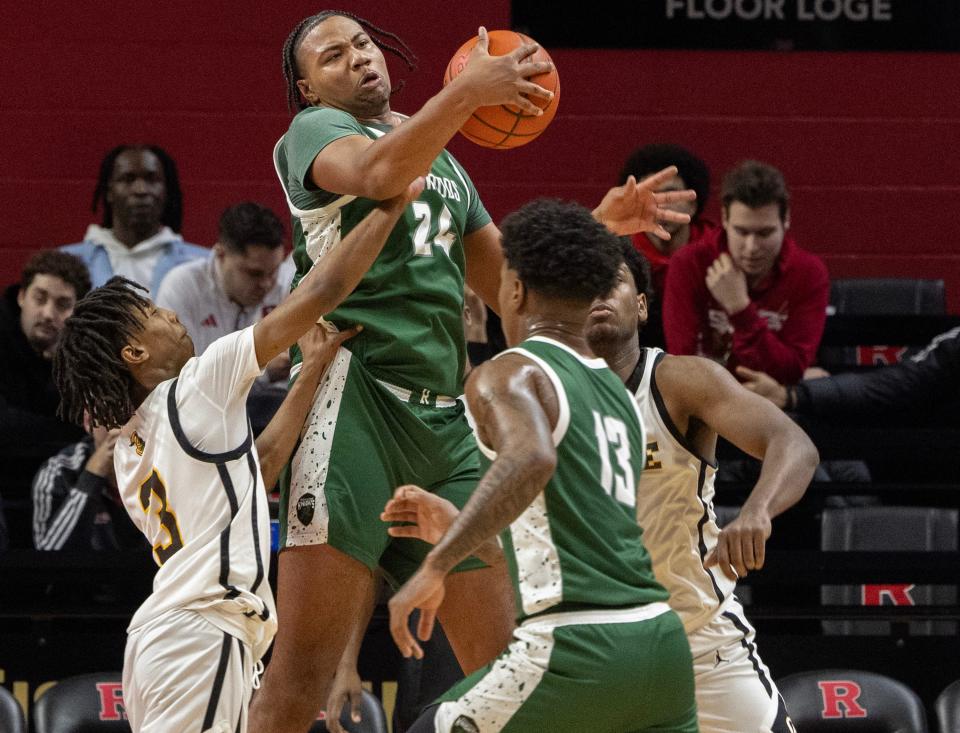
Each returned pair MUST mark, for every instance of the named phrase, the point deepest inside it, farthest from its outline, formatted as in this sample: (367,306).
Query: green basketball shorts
(362,439)
(601,670)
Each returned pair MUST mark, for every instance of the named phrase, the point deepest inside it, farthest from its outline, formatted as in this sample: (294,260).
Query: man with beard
(32,314)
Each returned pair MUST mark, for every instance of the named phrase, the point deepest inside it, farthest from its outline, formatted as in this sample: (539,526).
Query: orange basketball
(506,126)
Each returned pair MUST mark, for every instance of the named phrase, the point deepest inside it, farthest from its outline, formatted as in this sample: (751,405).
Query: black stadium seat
(887,296)
(372,718)
(889,528)
(11,716)
(948,709)
(850,701)
(90,703)
(93,703)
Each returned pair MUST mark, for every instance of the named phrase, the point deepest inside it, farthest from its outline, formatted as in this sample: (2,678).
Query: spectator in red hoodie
(691,173)
(747,295)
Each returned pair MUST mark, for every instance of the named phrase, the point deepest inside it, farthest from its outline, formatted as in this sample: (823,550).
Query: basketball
(506,126)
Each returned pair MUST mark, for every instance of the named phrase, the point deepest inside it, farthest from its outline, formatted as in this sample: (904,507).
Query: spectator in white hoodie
(139,191)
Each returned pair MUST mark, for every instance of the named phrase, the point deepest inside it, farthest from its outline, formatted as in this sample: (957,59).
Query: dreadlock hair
(88,370)
(291,71)
(559,249)
(172,215)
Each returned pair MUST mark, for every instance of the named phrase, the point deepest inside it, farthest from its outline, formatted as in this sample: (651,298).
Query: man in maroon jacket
(746,294)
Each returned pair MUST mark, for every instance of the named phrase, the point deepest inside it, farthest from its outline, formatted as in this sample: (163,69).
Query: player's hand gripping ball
(505,125)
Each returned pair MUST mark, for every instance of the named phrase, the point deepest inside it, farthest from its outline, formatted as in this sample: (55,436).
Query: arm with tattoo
(515,408)
(505,399)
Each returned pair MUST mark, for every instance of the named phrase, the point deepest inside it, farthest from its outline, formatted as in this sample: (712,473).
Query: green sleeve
(310,132)
(477,216)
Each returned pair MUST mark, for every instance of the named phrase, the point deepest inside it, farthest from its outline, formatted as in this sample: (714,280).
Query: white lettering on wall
(855,10)
(808,10)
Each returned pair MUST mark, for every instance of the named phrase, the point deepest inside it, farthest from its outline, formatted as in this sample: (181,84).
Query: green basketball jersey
(410,302)
(578,544)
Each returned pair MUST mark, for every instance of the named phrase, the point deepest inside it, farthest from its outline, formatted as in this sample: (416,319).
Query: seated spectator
(927,384)
(245,279)
(746,294)
(76,504)
(693,174)
(142,211)
(32,314)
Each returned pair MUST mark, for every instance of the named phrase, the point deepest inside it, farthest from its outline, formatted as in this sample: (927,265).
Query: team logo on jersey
(210,321)
(305,506)
(463,724)
(137,442)
(653,457)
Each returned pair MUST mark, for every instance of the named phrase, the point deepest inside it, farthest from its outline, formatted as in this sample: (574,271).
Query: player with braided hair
(390,415)
(192,479)
(384,39)
(87,367)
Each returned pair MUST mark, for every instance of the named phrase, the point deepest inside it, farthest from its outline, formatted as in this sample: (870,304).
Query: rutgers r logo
(111,701)
(888,595)
(840,699)
(879,355)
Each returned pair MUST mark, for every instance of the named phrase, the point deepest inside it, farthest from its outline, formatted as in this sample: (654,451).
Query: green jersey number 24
(444,238)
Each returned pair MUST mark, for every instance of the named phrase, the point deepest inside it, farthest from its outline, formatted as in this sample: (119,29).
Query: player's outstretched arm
(702,390)
(332,279)
(427,517)
(515,408)
(638,207)
(276,442)
(359,166)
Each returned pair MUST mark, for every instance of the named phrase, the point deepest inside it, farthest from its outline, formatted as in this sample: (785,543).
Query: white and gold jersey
(190,480)
(675,508)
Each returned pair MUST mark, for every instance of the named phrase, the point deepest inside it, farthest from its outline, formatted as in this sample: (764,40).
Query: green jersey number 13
(612,439)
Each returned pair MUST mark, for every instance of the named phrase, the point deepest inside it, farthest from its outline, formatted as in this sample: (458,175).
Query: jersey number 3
(612,433)
(153,486)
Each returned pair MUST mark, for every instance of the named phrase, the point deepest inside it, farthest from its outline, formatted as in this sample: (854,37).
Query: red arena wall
(866,140)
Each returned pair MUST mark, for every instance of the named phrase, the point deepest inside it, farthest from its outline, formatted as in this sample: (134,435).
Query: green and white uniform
(386,412)
(597,647)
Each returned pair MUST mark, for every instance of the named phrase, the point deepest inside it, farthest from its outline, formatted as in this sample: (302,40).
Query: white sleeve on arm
(228,367)
(212,392)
